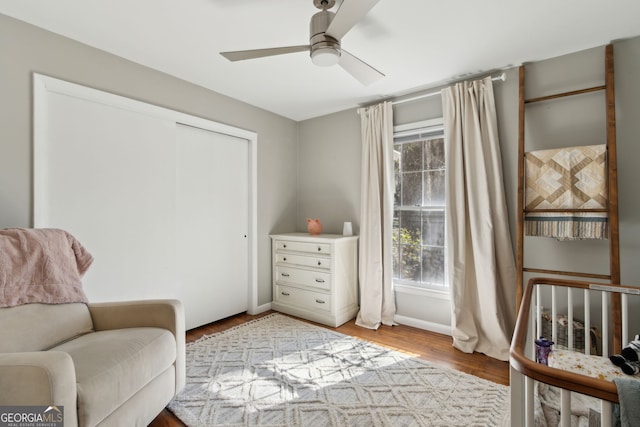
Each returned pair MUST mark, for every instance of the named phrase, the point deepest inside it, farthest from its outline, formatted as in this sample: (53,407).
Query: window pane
(412,189)
(395,229)
(433,265)
(433,228)
(434,154)
(410,262)
(410,229)
(412,156)
(395,255)
(395,247)
(396,170)
(434,188)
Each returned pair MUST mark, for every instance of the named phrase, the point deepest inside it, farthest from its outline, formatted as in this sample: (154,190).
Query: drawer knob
(319,249)
(284,246)
(319,301)
(284,274)
(284,259)
(319,280)
(319,262)
(286,294)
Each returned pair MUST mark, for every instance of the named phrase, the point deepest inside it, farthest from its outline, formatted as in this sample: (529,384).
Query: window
(419,206)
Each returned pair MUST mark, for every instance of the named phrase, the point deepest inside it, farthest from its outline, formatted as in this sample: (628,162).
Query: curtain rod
(502,77)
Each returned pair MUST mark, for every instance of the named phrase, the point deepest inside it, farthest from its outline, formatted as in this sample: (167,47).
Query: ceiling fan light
(325,57)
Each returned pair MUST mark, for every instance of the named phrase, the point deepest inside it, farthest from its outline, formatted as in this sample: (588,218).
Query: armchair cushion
(37,327)
(112,366)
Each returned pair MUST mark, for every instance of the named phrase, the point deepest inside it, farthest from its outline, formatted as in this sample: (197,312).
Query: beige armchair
(107,364)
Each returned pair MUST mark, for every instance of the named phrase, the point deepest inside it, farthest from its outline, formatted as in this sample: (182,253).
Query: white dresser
(316,277)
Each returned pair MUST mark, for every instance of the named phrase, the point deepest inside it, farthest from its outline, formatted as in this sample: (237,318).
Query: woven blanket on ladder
(571,178)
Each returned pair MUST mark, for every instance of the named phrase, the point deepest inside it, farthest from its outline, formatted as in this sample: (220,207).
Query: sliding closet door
(212,221)
(106,175)
(163,207)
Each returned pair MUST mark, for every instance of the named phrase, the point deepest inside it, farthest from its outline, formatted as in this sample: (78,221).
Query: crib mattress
(589,365)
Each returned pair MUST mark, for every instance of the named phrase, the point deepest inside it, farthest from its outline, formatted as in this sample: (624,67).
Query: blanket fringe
(567,228)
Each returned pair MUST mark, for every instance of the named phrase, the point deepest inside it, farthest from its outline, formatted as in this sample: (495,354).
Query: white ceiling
(417,43)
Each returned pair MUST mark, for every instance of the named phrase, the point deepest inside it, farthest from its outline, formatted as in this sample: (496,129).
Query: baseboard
(423,324)
(259,309)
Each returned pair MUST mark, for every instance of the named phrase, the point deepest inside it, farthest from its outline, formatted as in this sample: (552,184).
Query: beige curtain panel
(480,257)
(377,302)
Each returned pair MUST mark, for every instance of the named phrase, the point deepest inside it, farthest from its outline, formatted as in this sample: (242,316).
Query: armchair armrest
(39,378)
(167,314)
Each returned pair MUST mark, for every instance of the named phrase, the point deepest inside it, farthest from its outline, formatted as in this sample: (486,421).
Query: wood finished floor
(435,348)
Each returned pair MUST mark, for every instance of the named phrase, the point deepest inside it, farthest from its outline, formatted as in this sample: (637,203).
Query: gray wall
(329,171)
(628,135)
(312,168)
(25,49)
(576,122)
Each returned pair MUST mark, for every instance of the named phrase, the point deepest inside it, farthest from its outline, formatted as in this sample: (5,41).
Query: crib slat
(529,402)
(606,412)
(587,321)
(539,309)
(625,318)
(554,315)
(570,317)
(565,408)
(535,328)
(605,324)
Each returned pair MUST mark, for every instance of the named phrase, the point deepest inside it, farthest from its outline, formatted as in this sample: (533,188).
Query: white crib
(574,374)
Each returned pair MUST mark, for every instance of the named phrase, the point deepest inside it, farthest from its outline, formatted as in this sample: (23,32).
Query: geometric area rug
(279,371)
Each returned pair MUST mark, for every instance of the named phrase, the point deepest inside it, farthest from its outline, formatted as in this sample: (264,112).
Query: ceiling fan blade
(240,55)
(359,69)
(350,12)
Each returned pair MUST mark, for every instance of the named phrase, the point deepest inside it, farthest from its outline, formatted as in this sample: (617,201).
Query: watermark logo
(31,416)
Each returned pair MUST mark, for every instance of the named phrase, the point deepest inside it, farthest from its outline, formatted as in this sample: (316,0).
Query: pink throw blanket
(41,266)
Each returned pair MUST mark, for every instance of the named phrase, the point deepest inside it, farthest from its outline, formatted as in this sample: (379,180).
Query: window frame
(430,129)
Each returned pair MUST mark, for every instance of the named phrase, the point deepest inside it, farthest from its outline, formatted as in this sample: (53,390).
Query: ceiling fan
(326,30)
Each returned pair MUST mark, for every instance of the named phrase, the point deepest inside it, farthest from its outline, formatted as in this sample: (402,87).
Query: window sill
(431,293)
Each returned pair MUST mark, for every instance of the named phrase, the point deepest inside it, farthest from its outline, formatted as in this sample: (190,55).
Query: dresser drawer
(312,248)
(316,279)
(307,261)
(303,298)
